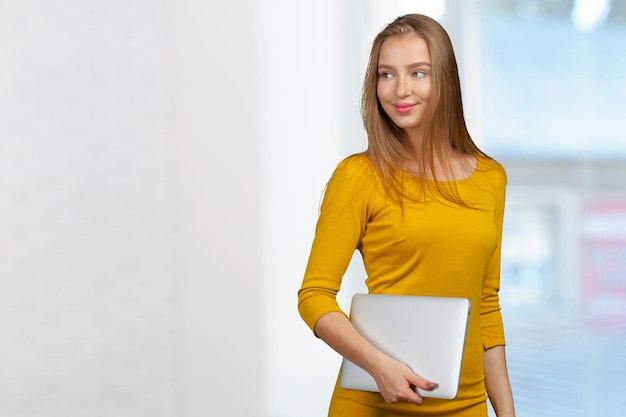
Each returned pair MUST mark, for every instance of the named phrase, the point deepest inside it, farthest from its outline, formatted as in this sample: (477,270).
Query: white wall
(218,128)
(130,201)
(89,212)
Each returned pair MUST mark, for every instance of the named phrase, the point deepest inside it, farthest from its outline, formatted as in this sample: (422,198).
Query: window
(552,114)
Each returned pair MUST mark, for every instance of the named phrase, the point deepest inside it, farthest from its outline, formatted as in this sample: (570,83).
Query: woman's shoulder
(350,182)
(357,161)
(355,166)
(353,174)
(490,166)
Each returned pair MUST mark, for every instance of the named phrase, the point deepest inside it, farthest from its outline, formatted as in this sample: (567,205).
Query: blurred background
(161,168)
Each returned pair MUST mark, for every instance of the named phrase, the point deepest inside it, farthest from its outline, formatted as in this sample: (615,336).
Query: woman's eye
(384,75)
(419,74)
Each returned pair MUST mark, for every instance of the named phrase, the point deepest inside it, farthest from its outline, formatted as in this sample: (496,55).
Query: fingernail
(432,385)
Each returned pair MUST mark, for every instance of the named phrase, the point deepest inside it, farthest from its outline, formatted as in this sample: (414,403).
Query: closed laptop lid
(426,333)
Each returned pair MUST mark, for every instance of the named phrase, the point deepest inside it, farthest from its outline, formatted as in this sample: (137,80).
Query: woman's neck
(445,164)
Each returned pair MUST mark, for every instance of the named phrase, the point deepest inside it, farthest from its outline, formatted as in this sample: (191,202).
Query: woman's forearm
(497,381)
(337,331)
(394,379)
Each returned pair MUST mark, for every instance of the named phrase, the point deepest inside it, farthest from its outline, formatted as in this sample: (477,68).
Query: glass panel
(551,98)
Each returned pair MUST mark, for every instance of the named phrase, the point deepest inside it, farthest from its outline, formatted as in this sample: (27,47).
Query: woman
(424,206)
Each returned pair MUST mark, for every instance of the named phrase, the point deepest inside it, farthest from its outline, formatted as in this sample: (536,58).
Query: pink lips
(403,108)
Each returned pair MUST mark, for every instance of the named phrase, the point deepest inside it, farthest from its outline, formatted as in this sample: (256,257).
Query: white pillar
(217,127)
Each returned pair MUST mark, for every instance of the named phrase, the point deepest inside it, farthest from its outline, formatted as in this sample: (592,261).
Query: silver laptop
(425,333)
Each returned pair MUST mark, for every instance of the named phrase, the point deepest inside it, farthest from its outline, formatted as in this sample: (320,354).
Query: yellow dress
(433,247)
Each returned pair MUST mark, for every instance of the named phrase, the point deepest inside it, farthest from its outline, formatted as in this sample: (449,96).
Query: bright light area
(589,14)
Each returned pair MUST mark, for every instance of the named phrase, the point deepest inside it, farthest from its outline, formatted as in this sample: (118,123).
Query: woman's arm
(497,381)
(342,222)
(394,379)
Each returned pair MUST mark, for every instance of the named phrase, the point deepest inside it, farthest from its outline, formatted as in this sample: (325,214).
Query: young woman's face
(404,81)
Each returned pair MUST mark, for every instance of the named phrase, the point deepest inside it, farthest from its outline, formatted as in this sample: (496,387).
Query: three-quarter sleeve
(340,226)
(492,329)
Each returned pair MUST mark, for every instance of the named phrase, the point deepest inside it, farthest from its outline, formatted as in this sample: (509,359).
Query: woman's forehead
(405,47)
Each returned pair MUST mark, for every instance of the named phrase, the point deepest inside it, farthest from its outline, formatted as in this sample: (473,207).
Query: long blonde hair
(444,123)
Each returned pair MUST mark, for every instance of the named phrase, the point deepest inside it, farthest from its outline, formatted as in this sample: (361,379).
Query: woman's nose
(403,88)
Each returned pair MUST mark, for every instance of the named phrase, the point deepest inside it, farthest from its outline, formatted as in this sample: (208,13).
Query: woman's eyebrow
(416,64)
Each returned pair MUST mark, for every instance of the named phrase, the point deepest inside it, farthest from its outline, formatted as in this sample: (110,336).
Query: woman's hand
(397,383)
